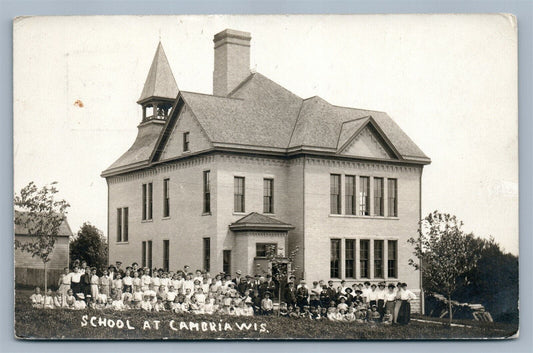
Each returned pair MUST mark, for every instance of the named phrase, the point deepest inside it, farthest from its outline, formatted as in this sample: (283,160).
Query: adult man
(302,294)
(85,283)
(331,293)
(290,294)
(118,268)
(271,286)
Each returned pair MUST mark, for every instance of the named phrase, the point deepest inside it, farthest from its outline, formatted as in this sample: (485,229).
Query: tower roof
(160,81)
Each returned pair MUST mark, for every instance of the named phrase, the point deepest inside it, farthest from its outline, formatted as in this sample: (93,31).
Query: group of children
(184,292)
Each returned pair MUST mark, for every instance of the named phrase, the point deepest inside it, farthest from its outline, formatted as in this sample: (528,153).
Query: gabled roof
(160,81)
(260,115)
(257,221)
(64,228)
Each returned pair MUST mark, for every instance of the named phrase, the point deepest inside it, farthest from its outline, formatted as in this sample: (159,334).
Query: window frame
(335,258)
(206,242)
(166,197)
(379,197)
(166,254)
(349,261)
(264,245)
(268,195)
(392,263)
(364,262)
(350,195)
(226,261)
(364,196)
(379,258)
(335,192)
(392,195)
(186,141)
(206,207)
(239,199)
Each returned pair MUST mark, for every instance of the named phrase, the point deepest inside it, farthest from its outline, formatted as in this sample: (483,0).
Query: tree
(446,253)
(89,245)
(281,266)
(37,211)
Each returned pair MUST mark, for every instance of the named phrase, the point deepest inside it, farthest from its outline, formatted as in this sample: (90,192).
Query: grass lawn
(67,324)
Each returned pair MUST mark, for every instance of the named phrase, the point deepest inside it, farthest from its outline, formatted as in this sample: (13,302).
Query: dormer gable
(363,138)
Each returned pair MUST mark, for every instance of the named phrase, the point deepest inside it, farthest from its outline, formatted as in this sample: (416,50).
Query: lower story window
(265,249)
(364,258)
(226,261)
(166,254)
(335,258)
(392,261)
(207,254)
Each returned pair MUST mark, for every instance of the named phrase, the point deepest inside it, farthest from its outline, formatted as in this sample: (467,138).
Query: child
(156,281)
(161,293)
(127,280)
(127,296)
(283,311)
(171,296)
(188,293)
(332,313)
(118,285)
(350,315)
(176,305)
(95,282)
(70,300)
(60,299)
(200,296)
(248,310)
(136,281)
(340,315)
(118,304)
(48,300)
(109,304)
(145,280)
(37,298)
(145,304)
(159,305)
(374,314)
(165,282)
(80,304)
(342,305)
(105,284)
(306,314)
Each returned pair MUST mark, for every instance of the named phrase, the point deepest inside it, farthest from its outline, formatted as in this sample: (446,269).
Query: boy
(145,304)
(267,306)
(37,298)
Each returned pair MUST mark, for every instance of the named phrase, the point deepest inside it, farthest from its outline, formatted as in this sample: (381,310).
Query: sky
(449,81)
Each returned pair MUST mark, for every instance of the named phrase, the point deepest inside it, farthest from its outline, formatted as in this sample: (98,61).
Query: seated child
(175,306)
(59,300)
(283,311)
(200,296)
(324,313)
(209,306)
(248,310)
(374,314)
(48,300)
(159,305)
(332,313)
(171,296)
(127,297)
(267,307)
(387,318)
(118,304)
(306,314)
(295,314)
(315,313)
(91,303)
(109,304)
(146,305)
(70,299)
(80,303)
(350,315)
(37,298)
(340,315)
(186,305)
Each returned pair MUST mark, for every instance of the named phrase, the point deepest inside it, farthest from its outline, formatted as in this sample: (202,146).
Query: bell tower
(159,91)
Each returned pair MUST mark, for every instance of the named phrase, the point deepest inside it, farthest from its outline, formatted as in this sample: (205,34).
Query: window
(364,196)
(207,254)
(238,205)
(349,246)
(334,271)
(149,255)
(143,254)
(364,250)
(122,224)
(335,194)
(119,225)
(226,261)
(392,197)
(147,200)
(378,197)
(166,198)
(185,141)
(207,191)
(392,259)
(166,254)
(144,202)
(349,182)
(378,258)
(263,249)
(268,195)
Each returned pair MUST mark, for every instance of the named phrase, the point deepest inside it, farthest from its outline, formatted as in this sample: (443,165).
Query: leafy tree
(41,215)
(447,254)
(282,266)
(89,245)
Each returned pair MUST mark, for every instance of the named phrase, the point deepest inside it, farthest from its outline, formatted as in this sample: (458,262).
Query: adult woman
(404,315)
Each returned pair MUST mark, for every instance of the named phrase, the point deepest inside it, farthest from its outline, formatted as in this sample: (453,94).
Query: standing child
(95,282)
(70,299)
(136,281)
(48,300)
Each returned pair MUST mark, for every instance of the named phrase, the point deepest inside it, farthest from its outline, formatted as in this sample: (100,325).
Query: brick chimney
(232,60)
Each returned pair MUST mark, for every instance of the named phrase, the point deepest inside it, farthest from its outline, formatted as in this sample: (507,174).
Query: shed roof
(64,228)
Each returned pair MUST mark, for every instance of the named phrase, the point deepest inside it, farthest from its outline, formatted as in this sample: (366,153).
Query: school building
(213,179)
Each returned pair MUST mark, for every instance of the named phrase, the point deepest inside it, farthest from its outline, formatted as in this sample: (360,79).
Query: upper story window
(392,186)
(186,141)
(335,194)
(364,196)
(122,225)
(378,197)
(207,192)
(147,201)
(166,198)
(268,195)
(238,194)
(349,182)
